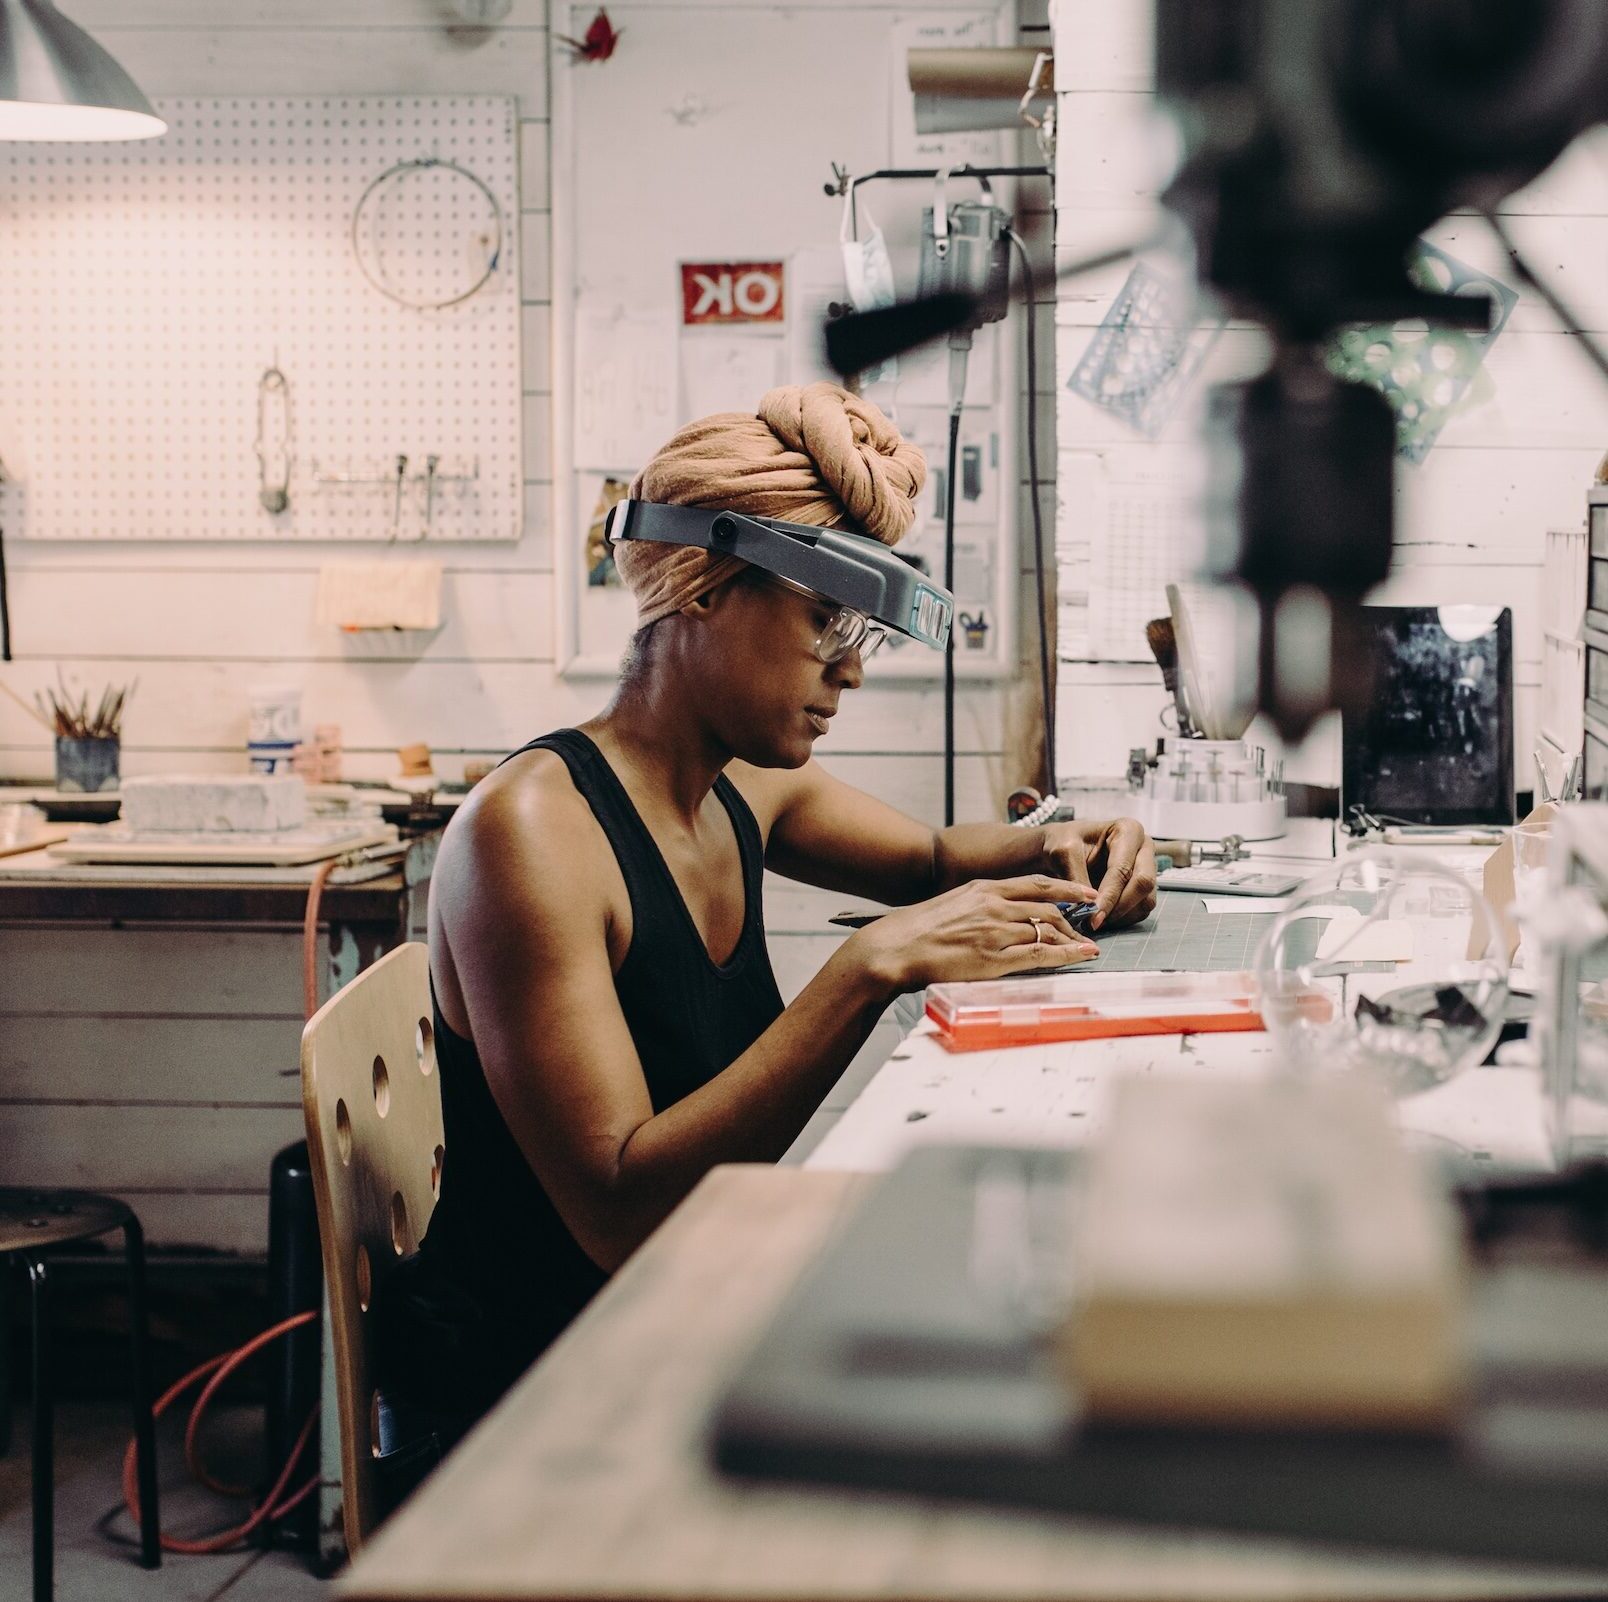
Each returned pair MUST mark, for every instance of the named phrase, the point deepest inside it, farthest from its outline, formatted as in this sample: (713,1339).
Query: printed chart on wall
(1142,532)
(693,298)
(343,277)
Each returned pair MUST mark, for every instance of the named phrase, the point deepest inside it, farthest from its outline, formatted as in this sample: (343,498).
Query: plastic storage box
(1027,1012)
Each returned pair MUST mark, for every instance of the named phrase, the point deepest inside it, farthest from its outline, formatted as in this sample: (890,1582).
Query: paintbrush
(1164,647)
(72,720)
(36,715)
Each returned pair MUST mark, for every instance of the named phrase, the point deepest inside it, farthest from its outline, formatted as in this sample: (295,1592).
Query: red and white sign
(716,293)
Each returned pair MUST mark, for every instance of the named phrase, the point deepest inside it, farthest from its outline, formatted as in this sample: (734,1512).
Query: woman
(608,1028)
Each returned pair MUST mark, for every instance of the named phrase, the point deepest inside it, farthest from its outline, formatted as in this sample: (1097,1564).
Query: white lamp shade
(56,83)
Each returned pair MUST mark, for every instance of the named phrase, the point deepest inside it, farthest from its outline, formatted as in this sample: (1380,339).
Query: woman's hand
(981,930)
(1116,857)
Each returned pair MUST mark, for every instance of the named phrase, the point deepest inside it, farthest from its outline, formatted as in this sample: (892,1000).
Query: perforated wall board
(364,247)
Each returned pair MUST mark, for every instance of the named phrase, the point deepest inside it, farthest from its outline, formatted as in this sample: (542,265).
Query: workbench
(591,1479)
(1485,1121)
(150,1028)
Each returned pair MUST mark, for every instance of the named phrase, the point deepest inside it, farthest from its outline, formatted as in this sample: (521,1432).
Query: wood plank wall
(163,1062)
(1471,520)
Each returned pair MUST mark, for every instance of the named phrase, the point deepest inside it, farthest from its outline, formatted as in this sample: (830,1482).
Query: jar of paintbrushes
(88,739)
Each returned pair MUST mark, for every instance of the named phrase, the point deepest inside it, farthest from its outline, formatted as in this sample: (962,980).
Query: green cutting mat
(1182,935)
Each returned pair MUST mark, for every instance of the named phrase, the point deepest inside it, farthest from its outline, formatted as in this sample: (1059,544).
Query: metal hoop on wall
(374,271)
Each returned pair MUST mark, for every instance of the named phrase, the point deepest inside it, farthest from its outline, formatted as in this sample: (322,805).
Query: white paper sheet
(910,149)
(1268,904)
(726,372)
(1347,940)
(814,285)
(977,498)
(924,373)
(625,384)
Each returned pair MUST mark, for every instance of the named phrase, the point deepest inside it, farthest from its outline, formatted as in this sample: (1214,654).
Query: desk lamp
(57,83)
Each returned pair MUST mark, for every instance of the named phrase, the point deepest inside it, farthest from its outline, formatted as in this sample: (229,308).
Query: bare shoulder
(525,834)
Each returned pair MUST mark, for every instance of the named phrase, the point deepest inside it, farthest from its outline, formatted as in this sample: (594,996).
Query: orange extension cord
(315,894)
(276,1504)
(271,1507)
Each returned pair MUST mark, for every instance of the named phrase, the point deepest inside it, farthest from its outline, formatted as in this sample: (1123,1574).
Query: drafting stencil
(146,288)
(1144,354)
(1425,373)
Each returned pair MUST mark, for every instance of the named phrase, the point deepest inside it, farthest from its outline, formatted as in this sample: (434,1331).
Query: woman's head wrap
(813,454)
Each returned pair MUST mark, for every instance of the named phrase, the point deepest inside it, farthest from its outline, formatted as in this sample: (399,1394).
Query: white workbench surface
(1055,1095)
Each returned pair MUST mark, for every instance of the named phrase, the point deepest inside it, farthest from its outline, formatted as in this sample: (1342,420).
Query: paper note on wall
(819,295)
(625,384)
(1139,544)
(726,372)
(912,149)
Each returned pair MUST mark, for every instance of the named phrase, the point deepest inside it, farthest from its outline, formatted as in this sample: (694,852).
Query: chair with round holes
(373,1109)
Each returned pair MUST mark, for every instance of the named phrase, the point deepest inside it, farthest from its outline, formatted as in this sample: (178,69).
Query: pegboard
(146,288)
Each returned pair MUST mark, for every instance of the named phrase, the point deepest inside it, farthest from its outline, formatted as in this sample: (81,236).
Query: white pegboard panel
(145,289)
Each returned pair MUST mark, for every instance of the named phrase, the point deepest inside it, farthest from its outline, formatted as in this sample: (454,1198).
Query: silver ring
(1038,937)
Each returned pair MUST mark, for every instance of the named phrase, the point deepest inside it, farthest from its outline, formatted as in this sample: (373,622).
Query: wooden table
(590,1480)
(1493,1120)
(150,1021)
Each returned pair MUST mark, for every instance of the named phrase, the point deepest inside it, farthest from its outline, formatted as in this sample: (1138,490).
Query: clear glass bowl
(1392,964)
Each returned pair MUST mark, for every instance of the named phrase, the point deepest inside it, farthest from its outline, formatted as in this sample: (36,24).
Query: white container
(274,727)
(1206,789)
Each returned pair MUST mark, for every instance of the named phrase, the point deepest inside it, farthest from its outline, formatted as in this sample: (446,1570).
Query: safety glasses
(848,630)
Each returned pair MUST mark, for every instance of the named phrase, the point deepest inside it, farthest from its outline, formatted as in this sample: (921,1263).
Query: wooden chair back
(373,1108)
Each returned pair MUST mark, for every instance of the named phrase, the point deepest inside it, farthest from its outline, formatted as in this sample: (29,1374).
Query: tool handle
(1179,854)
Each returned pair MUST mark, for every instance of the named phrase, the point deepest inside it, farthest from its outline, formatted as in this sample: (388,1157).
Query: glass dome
(1390,964)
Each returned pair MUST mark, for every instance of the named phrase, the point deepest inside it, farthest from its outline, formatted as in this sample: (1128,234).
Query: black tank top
(498,1275)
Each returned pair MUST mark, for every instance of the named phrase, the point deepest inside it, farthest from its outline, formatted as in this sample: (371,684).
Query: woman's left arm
(827,833)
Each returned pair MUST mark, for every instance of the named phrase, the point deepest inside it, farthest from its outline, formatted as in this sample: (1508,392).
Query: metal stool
(31,1223)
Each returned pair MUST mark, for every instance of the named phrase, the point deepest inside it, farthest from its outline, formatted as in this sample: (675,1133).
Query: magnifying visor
(851,569)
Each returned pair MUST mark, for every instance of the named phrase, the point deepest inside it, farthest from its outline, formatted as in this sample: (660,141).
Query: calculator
(1230,879)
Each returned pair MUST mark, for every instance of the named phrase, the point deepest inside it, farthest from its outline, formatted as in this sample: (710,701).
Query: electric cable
(276,1504)
(949,645)
(1046,682)
(1555,302)
(5,605)
(315,894)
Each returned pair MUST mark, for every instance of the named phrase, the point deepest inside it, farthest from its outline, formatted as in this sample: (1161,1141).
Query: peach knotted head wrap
(812,454)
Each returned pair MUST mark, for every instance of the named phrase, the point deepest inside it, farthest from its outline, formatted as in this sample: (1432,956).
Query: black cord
(949,649)
(1559,307)
(1046,684)
(5,605)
